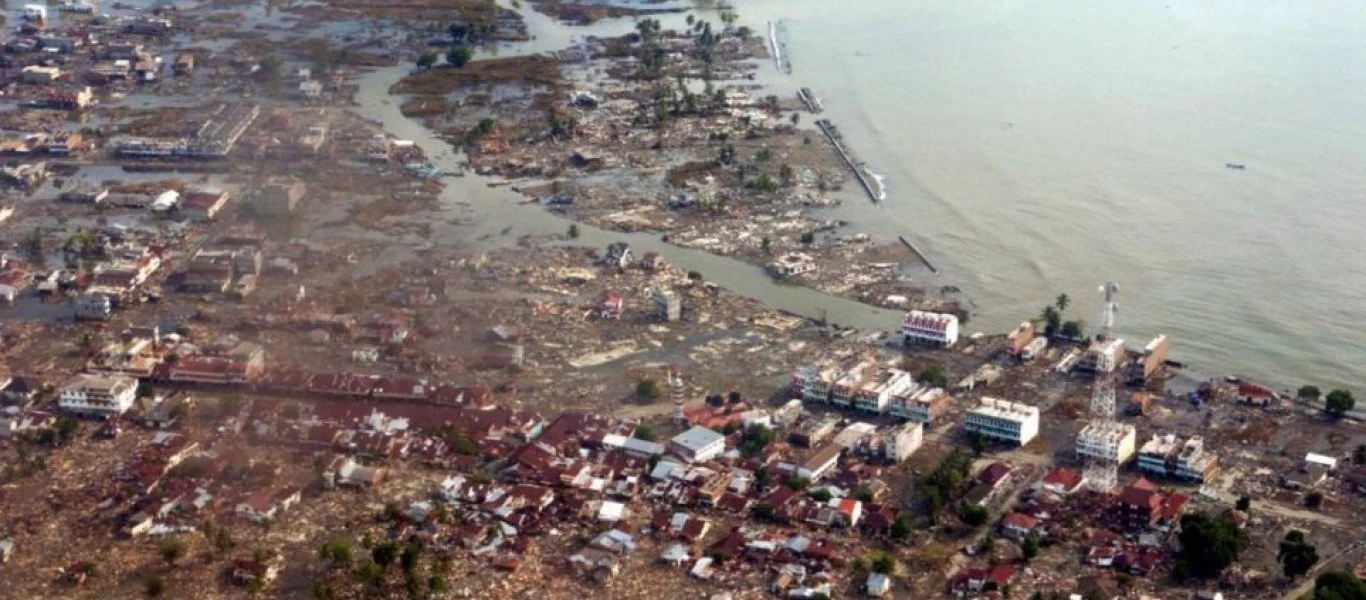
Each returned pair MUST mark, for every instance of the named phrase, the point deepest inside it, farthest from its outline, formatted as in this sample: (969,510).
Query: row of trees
(1336,403)
(373,571)
(1211,544)
(464,35)
(458,56)
(1052,319)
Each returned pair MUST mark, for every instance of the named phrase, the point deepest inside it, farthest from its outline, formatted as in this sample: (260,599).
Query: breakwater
(873,188)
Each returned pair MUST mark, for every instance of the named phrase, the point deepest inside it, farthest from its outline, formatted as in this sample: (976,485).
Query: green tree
(1244,503)
(1052,320)
(384,554)
(1309,392)
(1208,545)
(459,442)
(947,481)
(763,183)
(171,549)
(1339,585)
(765,245)
(645,432)
(822,495)
(974,515)
(795,482)
(1030,548)
(761,477)
(978,442)
(269,66)
(808,238)
(485,126)
(368,573)
(763,511)
(67,426)
(459,56)
(648,29)
(988,544)
(436,585)
(1313,500)
(392,512)
(426,60)
(154,586)
(337,552)
(934,376)
(1296,555)
(460,32)
(786,175)
(859,567)
(863,493)
(648,389)
(1072,329)
(222,540)
(573,231)
(882,562)
(901,528)
(1339,402)
(755,439)
(408,560)
(763,155)
(1062,302)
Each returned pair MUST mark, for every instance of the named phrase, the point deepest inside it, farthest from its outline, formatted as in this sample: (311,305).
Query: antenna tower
(1102,474)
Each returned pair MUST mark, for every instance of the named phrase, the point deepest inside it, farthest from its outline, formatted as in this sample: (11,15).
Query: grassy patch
(518,69)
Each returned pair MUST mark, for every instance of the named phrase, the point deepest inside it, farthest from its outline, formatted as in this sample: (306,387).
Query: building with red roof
(1062,481)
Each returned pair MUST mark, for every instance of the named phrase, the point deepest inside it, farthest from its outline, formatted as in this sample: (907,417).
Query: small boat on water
(1234,166)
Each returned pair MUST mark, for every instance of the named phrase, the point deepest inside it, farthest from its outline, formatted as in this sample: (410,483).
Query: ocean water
(1040,147)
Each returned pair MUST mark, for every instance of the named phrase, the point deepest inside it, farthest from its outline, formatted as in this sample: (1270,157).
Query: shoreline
(813,307)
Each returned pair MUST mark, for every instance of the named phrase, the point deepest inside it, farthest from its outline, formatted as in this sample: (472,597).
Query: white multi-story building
(923,405)
(875,393)
(1108,441)
(698,444)
(843,390)
(1170,456)
(1003,420)
(812,383)
(929,328)
(903,441)
(99,395)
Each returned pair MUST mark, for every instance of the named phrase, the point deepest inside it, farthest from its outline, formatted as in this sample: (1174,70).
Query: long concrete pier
(855,165)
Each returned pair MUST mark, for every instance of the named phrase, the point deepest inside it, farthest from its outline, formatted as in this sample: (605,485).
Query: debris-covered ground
(350,383)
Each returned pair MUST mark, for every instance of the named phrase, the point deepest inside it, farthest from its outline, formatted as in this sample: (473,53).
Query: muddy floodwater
(494,210)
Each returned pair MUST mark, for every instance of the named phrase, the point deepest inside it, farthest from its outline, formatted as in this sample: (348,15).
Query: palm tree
(1062,302)
(1052,320)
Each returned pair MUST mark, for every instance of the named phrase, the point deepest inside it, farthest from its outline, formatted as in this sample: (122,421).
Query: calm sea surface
(1039,147)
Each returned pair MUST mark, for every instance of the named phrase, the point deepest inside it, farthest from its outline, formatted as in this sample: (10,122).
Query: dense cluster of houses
(128,261)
